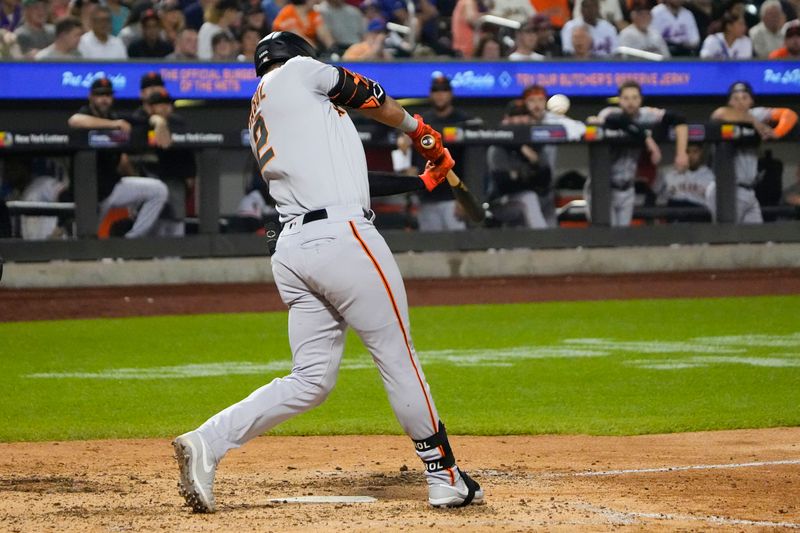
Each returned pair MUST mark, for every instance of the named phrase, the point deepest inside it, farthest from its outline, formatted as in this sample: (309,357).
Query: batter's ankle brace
(437,440)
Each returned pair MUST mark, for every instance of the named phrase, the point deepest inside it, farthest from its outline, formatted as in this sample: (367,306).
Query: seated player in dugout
(635,120)
(118,182)
(687,188)
(770,123)
(331,266)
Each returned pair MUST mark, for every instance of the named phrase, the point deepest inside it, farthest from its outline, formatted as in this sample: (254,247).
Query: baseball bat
(472,207)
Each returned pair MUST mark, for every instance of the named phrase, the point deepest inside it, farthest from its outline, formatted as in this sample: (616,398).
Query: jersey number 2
(261,134)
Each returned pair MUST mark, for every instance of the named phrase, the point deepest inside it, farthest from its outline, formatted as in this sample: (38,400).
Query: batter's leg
(374,304)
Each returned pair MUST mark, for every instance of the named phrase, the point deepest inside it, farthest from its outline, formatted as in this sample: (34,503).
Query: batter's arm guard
(388,184)
(356,91)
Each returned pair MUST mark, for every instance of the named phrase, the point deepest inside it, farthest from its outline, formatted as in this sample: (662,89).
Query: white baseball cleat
(465,491)
(197,466)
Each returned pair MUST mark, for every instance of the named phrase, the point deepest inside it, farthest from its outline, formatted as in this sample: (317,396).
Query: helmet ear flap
(280,46)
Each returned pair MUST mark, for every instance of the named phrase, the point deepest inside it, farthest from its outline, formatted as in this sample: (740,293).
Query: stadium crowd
(520,30)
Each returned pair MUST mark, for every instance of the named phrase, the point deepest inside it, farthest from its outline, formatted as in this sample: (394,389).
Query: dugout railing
(81,147)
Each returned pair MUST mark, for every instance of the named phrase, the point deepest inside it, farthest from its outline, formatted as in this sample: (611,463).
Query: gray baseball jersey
(307,148)
(745,161)
(625,157)
(688,186)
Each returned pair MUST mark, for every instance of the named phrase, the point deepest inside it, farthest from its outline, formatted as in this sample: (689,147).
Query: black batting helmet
(280,46)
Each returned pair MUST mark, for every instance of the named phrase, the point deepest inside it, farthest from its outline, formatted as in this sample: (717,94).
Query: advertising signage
(411,79)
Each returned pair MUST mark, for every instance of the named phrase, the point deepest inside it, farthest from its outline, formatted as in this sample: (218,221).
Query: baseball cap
(376,25)
(148,15)
(792,30)
(101,86)
(151,79)
(440,83)
(740,87)
(160,96)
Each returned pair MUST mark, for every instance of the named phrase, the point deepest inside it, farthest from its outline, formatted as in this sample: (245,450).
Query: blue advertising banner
(45,80)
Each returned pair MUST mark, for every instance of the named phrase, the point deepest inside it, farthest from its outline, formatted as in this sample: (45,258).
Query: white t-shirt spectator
(90,47)
(604,37)
(650,41)
(207,32)
(680,29)
(610,10)
(764,41)
(715,47)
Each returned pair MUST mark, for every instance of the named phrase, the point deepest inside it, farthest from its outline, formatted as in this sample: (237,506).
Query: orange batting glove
(427,141)
(435,173)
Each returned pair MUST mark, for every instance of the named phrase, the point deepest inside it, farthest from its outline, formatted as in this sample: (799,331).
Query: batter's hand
(427,141)
(435,173)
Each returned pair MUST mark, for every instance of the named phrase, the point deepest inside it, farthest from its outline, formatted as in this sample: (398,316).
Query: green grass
(543,387)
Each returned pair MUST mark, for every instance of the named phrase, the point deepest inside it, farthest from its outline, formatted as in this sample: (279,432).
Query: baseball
(559,104)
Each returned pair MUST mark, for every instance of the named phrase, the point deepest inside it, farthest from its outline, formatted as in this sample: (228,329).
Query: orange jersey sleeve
(785,118)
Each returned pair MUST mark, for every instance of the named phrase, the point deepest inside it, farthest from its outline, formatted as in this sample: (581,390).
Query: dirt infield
(732,480)
(746,480)
(53,304)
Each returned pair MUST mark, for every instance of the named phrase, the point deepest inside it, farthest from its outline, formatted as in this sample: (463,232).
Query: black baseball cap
(101,86)
(440,83)
(740,87)
(151,79)
(160,96)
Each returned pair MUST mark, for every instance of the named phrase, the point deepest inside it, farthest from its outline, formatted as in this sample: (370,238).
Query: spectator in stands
(172,20)
(10,15)
(604,34)
(247,43)
(99,43)
(117,186)
(150,44)
(9,48)
(791,43)
(489,48)
(133,29)
(299,17)
(466,19)
(175,167)
(767,35)
(345,22)
(185,46)
(640,34)
(34,34)
(677,27)
(438,209)
(582,46)
(745,162)
(547,39)
(224,17)
(517,10)
(194,13)
(65,47)
(634,119)
(424,19)
(223,47)
(254,17)
(525,41)
(119,15)
(687,188)
(610,10)
(731,43)
(371,48)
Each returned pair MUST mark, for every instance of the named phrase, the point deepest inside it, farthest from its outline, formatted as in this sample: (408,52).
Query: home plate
(325,499)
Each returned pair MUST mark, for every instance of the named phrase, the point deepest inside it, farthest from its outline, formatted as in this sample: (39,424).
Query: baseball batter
(632,118)
(745,162)
(331,266)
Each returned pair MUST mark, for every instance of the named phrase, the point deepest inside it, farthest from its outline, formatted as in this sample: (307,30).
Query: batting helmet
(280,46)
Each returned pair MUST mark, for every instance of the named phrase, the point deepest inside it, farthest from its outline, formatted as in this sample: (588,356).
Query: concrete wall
(521,262)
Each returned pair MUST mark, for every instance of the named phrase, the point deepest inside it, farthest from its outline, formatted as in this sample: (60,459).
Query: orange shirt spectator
(791,43)
(557,10)
(290,19)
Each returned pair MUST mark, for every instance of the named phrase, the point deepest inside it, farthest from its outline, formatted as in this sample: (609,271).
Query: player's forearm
(681,138)
(392,114)
(80,120)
